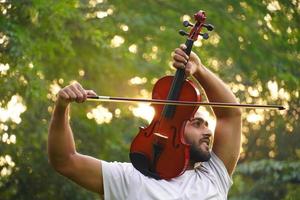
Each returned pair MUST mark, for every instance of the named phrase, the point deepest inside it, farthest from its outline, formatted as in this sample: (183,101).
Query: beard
(198,155)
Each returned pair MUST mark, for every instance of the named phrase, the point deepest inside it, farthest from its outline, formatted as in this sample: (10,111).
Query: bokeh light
(15,107)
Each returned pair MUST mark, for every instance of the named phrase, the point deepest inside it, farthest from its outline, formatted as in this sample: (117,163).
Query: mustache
(206,139)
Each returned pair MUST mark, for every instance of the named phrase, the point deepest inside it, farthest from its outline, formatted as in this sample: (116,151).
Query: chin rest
(142,164)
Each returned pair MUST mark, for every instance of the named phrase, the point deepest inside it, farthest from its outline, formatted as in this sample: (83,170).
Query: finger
(78,87)
(63,95)
(180,58)
(71,94)
(79,96)
(183,46)
(188,69)
(62,98)
(91,93)
(182,53)
(82,91)
(178,65)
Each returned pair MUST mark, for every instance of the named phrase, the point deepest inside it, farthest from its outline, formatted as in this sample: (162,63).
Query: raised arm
(84,170)
(227,137)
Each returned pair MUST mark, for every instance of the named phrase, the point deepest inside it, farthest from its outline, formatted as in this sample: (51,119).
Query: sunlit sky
(13,110)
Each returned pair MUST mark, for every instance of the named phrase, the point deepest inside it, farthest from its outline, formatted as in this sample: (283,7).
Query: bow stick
(183,103)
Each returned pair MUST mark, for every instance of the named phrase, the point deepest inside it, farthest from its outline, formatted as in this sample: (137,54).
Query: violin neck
(179,78)
(189,45)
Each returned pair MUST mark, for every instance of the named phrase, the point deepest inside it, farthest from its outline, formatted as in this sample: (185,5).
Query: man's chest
(181,188)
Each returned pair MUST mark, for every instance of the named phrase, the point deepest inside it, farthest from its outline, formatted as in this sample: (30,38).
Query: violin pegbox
(196,28)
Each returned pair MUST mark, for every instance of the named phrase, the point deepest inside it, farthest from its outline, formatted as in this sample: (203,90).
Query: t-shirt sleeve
(116,179)
(219,170)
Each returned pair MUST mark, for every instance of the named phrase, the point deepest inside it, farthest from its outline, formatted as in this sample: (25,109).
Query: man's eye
(198,122)
(206,124)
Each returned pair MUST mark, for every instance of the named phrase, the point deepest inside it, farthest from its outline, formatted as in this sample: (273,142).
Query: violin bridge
(161,136)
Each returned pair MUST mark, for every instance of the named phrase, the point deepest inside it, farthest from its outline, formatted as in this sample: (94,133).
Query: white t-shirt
(209,181)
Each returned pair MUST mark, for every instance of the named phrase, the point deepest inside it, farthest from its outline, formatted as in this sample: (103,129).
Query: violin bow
(183,103)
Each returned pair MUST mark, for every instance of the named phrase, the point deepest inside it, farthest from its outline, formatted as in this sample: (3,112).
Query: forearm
(60,139)
(217,91)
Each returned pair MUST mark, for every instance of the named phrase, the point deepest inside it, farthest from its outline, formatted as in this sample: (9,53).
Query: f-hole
(147,134)
(174,129)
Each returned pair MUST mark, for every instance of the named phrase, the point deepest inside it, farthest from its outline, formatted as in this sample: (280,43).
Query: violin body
(160,150)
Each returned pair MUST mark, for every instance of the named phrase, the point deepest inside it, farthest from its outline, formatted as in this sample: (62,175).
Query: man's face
(199,136)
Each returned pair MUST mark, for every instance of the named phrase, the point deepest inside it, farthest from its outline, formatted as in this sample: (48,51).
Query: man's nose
(208,133)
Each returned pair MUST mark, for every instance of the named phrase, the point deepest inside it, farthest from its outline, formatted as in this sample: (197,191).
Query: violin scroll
(200,18)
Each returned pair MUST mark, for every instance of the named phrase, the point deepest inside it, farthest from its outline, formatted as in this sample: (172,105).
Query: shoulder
(116,164)
(117,169)
(218,172)
(118,178)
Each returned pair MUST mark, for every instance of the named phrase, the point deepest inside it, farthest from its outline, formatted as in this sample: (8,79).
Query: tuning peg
(209,27)
(204,35)
(183,33)
(187,23)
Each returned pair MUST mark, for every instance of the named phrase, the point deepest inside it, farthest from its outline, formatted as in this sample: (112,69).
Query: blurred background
(120,48)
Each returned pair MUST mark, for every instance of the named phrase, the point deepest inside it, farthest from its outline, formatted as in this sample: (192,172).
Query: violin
(159,150)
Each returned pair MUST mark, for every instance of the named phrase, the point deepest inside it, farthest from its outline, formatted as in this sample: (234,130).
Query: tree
(105,44)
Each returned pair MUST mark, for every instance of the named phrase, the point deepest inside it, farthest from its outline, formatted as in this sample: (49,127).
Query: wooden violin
(159,150)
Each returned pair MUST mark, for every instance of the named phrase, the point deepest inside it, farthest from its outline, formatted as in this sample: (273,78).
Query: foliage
(272,180)
(102,44)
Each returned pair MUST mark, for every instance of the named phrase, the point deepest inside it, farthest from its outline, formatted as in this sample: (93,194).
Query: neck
(193,165)
(190,165)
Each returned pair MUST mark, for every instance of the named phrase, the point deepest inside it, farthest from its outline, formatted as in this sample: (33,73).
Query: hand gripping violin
(159,150)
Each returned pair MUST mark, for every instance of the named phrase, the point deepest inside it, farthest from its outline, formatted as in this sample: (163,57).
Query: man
(210,179)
